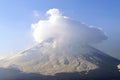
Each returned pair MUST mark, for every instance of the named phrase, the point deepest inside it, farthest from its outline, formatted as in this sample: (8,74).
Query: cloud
(65,30)
(2,57)
(36,13)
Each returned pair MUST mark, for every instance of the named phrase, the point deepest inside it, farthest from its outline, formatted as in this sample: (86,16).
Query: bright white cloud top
(65,30)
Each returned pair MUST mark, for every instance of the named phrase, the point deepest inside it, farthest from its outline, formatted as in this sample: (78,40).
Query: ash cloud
(65,30)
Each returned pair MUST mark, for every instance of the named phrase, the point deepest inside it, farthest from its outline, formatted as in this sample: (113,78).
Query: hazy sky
(16,17)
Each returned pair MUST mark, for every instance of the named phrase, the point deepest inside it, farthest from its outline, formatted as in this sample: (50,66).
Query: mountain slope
(47,59)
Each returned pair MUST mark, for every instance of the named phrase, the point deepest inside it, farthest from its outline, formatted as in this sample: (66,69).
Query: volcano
(47,59)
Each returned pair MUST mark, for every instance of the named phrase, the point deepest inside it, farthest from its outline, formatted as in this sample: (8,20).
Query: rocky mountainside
(48,59)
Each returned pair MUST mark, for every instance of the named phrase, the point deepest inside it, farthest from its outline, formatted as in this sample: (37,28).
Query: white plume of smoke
(64,30)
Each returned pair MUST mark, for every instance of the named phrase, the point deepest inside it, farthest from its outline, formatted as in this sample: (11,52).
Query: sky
(16,17)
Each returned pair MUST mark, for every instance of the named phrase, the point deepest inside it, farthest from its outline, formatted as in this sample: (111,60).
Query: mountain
(48,59)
